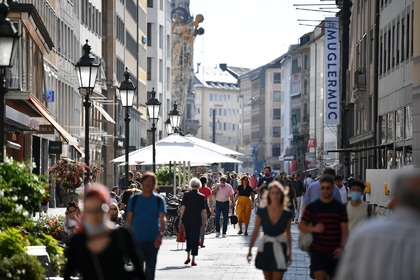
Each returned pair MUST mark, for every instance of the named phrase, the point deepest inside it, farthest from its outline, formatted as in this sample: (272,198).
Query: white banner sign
(332,71)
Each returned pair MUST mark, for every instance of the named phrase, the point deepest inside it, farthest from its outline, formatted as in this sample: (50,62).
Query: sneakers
(217,234)
(224,235)
(246,233)
(240,232)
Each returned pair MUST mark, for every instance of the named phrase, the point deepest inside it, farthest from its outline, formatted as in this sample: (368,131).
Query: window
(168,46)
(276,96)
(149,34)
(393,46)
(399,125)
(224,126)
(402,38)
(305,62)
(296,65)
(211,112)
(276,131)
(225,112)
(389,49)
(276,114)
(220,112)
(397,55)
(276,78)
(275,150)
(385,51)
(161,5)
(150,3)
(149,68)
(407,54)
(305,86)
(381,50)
(160,70)
(168,78)
(211,96)
(408,122)
(160,36)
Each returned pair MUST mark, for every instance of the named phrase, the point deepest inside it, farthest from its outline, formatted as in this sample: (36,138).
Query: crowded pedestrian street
(224,258)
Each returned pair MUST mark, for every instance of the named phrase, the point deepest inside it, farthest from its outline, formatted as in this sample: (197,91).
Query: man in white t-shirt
(357,210)
(344,191)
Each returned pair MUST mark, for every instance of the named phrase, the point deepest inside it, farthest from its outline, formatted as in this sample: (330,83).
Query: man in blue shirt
(146,215)
(314,190)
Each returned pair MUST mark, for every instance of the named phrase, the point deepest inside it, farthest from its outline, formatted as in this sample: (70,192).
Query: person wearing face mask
(357,210)
(99,250)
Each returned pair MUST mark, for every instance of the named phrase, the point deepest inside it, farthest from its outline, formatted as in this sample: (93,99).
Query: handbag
(305,241)
(233,218)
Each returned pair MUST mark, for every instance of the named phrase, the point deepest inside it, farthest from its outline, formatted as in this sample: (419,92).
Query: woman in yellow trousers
(244,194)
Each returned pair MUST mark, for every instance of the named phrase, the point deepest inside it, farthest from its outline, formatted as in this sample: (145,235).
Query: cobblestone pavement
(224,258)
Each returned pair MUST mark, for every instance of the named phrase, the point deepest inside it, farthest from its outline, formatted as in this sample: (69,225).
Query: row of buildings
(43,102)
(281,105)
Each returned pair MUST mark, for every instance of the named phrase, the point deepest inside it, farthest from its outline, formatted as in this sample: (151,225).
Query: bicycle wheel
(211,225)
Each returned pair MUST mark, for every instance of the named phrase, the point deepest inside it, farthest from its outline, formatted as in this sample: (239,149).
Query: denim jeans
(148,253)
(224,208)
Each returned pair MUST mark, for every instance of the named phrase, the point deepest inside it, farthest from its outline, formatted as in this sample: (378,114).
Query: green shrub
(21,192)
(21,267)
(12,242)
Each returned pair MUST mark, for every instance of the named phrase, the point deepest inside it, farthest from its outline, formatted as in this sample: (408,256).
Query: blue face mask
(356,196)
(95,230)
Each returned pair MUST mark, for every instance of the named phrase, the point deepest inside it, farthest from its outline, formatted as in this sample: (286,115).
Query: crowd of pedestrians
(117,235)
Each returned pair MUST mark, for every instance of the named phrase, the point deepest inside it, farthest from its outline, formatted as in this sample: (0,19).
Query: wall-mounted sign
(332,71)
(46,129)
(48,96)
(55,147)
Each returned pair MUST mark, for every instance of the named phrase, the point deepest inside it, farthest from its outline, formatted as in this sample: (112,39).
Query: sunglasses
(112,208)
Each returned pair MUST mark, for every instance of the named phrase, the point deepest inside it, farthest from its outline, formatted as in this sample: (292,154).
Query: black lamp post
(127,90)
(153,107)
(9,38)
(87,70)
(175,119)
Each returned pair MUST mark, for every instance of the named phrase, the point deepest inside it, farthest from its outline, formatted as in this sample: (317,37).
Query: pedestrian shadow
(175,267)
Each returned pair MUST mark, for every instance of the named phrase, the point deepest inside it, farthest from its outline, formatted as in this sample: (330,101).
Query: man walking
(146,215)
(264,181)
(388,249)
(357,210)
(326,219)
(299,189)
(224,194)
(206,191)
(314,190)
(344,190)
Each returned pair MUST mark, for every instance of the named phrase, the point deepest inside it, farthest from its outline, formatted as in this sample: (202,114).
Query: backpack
(158,201)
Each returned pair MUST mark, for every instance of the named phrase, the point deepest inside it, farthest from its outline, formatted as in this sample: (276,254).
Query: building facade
(217,94)
(159,53)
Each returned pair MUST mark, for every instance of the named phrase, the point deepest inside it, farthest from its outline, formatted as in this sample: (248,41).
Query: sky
(249,33)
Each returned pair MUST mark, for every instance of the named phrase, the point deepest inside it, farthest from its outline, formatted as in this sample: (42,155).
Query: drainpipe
(375,98)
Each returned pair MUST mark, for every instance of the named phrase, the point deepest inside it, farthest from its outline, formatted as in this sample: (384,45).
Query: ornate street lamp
(168,127)
(175,118)
(153,107)
(9,39)
(126,91)
(87,70)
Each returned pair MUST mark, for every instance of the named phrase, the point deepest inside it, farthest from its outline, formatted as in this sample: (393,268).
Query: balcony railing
(359,79)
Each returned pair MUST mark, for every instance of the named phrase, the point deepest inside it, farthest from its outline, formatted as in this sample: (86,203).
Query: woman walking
(244,203)
(274,249)
(193,213)
(99,250)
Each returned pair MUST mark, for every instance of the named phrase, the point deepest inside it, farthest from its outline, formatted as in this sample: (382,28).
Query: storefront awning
(103,112)
(30,105)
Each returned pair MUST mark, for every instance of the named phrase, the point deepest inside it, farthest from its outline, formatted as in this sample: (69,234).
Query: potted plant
(71,174)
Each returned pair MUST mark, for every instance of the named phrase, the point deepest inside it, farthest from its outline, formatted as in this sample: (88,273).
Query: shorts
(322,261)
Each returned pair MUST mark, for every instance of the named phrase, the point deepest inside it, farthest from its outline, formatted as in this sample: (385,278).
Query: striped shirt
(384,249)
(331,215)
(313,193)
